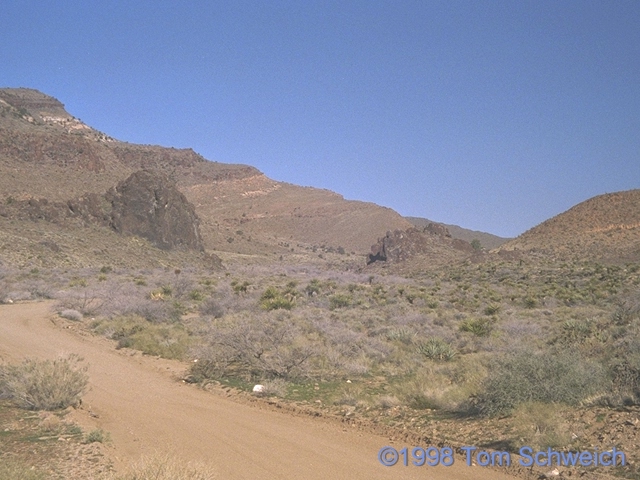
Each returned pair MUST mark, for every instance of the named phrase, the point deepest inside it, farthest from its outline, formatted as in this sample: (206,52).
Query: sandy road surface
(146,411)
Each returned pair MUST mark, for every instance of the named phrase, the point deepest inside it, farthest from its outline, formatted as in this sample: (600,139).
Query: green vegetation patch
(165,340)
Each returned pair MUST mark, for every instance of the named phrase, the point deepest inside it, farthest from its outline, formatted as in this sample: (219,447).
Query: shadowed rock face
(149,205)
(401,245)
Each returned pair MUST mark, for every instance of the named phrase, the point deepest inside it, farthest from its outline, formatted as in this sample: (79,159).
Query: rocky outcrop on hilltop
(32,102)
(149,205)
(401,245)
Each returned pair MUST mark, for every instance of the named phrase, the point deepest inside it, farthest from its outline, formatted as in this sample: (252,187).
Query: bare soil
(146,411)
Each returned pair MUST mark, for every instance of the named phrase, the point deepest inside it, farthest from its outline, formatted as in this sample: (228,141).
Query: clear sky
(493,115)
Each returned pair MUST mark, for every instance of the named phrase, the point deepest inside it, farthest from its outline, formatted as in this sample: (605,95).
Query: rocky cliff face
(149,205)
(33,103)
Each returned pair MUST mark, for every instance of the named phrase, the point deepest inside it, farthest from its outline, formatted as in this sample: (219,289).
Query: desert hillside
(47,154)
(606,228)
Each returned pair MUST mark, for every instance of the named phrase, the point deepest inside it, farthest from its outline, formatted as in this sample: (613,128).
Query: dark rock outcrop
(401,245)
(149,205)
(437,229)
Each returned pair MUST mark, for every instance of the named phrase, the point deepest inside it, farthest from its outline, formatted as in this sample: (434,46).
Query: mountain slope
(605,228)
(46,153)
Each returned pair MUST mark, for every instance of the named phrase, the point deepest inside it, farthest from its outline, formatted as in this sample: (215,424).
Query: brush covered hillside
(50,159)
(604,228)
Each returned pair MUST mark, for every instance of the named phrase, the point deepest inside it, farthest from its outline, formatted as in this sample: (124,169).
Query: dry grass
(166,467)
(15,470)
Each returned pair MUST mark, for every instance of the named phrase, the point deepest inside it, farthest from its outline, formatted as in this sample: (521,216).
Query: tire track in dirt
(146,412)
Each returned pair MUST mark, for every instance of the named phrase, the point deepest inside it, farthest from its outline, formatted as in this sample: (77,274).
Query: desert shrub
(69,314)
(4,290)
(339,300)
(401,334)
(350,394)
(548,377)
(540,426)
(480,327)
(196,295)
(40,289)
(437,349)
(166,468)
(625,312)
(274,299)
(492,309)
(131,331)
(577,331)
(420,400)
(211,307)
(44,384)
(182,285)
(277,303)
(314,287)
(97,436)
(155,311)
(254,348)
(78,282)
(432,304)
(240,287)
(388,401)
(624,366)
(87,300)
(275,387)
(166,291)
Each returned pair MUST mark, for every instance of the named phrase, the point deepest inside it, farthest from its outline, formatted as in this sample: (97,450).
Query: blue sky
(493,115)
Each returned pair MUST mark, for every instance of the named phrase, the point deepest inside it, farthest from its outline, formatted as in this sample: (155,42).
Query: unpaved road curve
(147,412)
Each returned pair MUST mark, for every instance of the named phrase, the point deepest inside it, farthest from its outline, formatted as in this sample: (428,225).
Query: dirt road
(146,412)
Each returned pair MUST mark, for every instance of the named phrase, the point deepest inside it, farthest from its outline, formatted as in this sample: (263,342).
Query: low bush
(211,307)
(276,387)
(339,300)
(44,384)
(547,377)
(131,331)
(540,426)
(70,314)
(437,349)
(97,436)
(274,299)
(253,348)
(480,327)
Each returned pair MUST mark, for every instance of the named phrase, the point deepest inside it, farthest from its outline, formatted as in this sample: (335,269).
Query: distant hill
(603,228)
(487,240)
(48,155)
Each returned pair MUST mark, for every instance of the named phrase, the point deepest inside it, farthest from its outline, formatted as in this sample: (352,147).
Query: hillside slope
(46,153)
(604,228)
